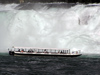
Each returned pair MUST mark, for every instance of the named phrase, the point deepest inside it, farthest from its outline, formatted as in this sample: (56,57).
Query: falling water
(50,25)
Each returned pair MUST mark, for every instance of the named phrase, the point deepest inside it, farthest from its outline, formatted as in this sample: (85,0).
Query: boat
(32,51)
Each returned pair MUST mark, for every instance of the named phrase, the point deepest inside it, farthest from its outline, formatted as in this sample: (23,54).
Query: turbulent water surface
(20,65)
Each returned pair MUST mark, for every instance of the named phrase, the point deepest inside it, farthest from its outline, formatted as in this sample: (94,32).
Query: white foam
(77,27)
(4,7)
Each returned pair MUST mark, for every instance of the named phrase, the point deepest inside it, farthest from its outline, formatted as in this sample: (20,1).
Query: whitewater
(50,25)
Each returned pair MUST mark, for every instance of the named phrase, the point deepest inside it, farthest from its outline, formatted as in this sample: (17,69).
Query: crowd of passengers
(45,51)
(22,50)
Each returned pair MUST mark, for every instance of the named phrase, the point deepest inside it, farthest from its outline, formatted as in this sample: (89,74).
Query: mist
(50,25)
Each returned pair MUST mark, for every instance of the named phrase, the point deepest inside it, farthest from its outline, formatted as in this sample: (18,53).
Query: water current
(20,65)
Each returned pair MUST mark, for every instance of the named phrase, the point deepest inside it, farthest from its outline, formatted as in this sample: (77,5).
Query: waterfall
(50,25)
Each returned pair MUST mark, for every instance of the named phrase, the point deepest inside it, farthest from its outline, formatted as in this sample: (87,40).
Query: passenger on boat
(44,50)
(22,50)
(76,52)
(58,51)
(61,52)
(30,50)
(18,50)
(72,52)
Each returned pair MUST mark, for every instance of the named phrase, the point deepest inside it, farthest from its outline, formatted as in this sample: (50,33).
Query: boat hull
(37,54)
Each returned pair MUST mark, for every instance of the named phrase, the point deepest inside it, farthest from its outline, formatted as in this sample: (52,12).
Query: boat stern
(11,52)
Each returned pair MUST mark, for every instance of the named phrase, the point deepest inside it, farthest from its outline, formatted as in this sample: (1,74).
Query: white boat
(32,51)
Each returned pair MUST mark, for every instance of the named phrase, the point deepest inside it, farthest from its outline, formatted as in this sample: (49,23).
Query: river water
(34,65)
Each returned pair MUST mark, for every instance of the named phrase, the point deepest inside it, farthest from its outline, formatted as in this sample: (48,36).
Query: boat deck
(44,52)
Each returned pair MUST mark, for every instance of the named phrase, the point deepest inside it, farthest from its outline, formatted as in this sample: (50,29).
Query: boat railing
(43,50)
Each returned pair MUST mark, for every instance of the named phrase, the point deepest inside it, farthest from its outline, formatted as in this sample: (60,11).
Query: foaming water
(47,25)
